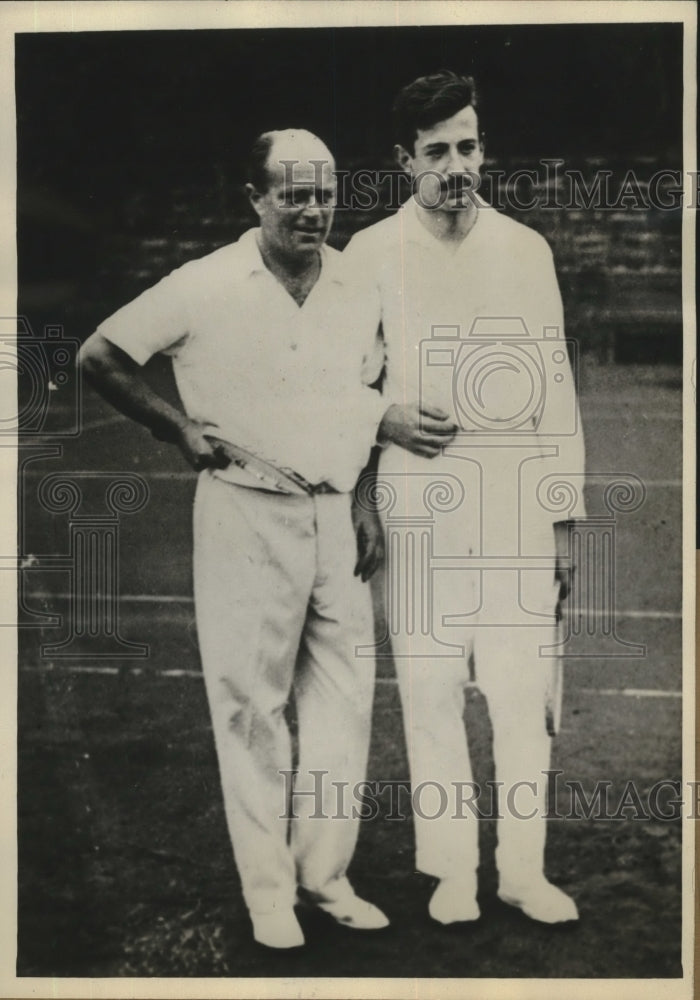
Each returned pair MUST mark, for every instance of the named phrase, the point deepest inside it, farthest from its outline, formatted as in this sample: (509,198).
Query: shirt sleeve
(562,415)
(374,357)
(155,321)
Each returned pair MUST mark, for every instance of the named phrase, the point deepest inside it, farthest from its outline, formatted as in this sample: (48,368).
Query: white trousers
(506,615)
(279,610)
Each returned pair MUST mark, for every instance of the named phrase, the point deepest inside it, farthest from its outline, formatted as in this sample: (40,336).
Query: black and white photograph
(348,450)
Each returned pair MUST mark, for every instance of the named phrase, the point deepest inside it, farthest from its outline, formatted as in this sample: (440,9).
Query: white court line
(75,669)
(53,668)
(663,483)
(96,425)
(651,615)
(633,692)
(44,595)
(197,675)
(621,414)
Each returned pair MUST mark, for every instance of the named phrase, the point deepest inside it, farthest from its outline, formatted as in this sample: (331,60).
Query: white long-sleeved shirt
(287,382)
(479,332)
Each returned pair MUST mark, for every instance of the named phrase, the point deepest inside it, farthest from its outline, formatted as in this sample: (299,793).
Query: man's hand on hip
(198,451)
(423,430)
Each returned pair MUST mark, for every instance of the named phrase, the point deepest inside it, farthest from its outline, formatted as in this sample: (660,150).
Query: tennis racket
(554,692)
(271,477)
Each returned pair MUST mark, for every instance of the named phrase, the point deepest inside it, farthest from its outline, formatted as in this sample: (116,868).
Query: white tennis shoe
(279,929)
(454,901)
(356,913)
(540,900)
(346,908)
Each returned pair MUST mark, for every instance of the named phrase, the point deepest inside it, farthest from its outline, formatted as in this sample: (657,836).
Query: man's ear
(403,157)
(254,197)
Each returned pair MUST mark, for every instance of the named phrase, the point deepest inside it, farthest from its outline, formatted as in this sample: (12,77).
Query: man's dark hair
(257,162)
(429,100)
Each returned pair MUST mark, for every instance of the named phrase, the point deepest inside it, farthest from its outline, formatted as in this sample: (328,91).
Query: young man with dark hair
(472,327)
(428,100)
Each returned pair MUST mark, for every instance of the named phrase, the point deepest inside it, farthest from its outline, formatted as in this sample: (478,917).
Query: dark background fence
(131,152)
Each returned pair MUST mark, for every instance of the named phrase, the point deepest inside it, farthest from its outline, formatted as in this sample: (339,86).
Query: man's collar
(413,229)
(331,269)
(249,248)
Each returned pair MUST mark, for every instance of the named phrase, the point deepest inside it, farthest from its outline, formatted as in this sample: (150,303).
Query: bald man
(271,349)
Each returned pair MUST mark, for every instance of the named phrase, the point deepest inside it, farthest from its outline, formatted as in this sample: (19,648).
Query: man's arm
(119,379)
(562,411)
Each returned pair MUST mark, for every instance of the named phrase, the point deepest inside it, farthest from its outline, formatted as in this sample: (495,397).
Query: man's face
(296,210)
(444,161)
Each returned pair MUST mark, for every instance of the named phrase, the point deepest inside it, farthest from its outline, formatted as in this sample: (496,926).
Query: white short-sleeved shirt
(289,383)
(502,275)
